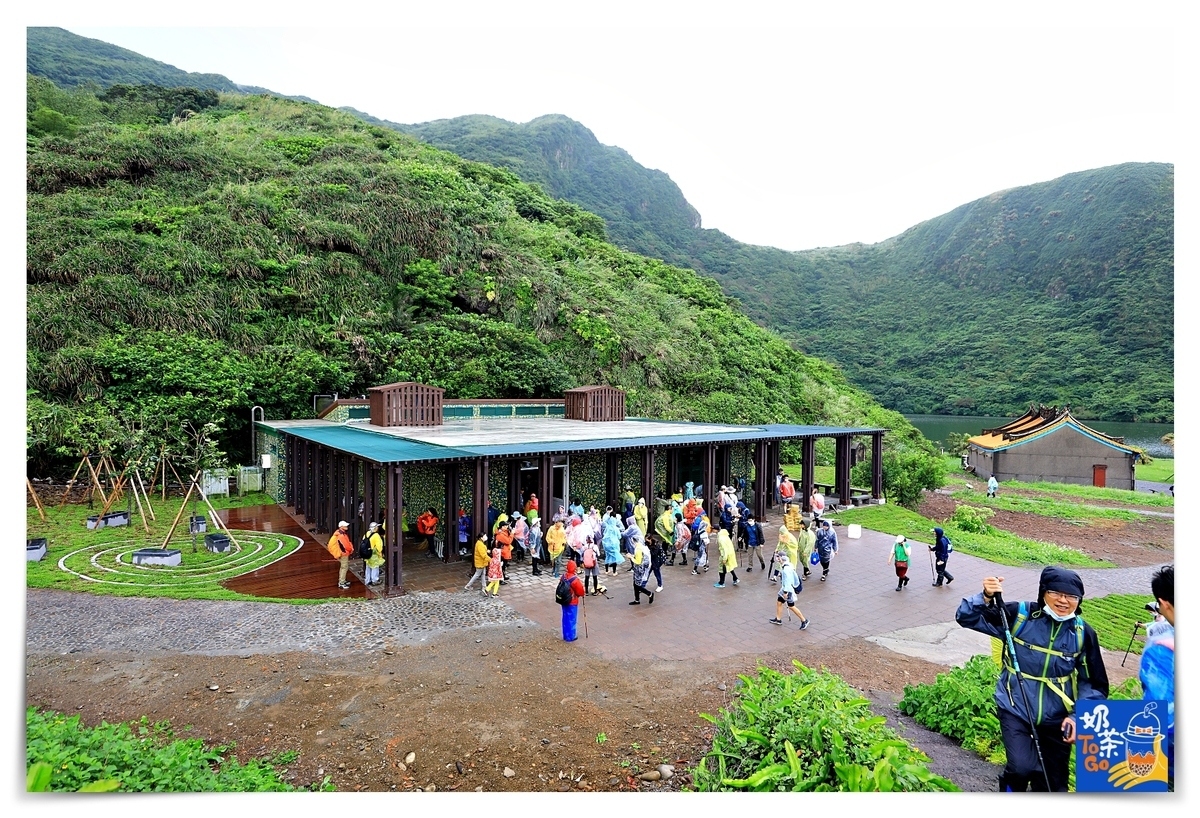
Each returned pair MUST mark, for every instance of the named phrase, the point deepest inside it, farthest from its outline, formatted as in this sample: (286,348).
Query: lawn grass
(1161,470)
(821,474)
(1113,616)
(999,547)
(1046,505)
(98,560)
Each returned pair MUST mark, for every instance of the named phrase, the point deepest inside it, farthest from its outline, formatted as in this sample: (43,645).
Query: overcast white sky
(782,127)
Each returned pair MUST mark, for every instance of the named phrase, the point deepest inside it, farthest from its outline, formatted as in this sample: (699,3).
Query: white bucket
(854,531)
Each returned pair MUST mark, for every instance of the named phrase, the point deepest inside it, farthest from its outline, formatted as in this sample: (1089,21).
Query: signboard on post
(1120,746)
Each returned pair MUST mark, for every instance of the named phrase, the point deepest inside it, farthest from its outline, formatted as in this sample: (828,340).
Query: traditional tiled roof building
(1050,444)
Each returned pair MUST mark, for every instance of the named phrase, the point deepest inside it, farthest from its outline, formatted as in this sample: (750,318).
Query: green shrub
(143,757)
(959,704)
(808,731)
(973,519)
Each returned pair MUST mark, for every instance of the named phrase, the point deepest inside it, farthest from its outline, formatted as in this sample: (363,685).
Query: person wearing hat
(899,554)
(482,558)
(641,516)
(520,530)
(375,561)
(788,585)
(1060,664)
(786,545)
(341,548)
(806,543)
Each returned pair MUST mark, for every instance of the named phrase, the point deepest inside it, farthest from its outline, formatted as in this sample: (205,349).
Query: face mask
(1053,615)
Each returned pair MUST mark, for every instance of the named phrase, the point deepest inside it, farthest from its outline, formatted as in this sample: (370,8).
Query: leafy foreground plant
(808,731)
(138,757)
(960,705)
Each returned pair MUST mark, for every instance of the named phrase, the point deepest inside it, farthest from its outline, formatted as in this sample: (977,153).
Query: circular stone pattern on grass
(111,563)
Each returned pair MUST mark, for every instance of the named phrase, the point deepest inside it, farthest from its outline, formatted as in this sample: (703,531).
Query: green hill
(69,60)
(258,251)
(1057,293)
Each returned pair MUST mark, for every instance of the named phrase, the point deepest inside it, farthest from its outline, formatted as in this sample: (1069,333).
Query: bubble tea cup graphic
(1142,737)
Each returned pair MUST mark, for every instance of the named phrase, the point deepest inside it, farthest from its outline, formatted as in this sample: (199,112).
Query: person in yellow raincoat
(786,545)
(727,556)
(556,544)
(806,542)
(641,516)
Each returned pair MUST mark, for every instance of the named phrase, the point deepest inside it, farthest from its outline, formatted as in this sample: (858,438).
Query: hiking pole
(1136,625)
(1012,652)
(585,633)
(932,570)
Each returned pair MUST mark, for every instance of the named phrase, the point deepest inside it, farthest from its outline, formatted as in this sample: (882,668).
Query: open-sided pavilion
(403,449)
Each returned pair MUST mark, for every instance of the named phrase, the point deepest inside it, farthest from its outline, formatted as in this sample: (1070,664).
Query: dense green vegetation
(70,60)
(808,731)
(64,755)
(1056,293)
(261,251)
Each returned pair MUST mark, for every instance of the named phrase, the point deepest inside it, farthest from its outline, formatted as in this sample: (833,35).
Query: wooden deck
(311,573)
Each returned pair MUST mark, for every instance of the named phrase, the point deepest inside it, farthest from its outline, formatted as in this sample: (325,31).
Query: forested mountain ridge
(70,60)
(1060,292)
(259,251)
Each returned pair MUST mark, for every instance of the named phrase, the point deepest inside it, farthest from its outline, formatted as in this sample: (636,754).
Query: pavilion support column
(514,487)
(479,499)
(450,535)
(546,510)
(648,477)
(612,482)
(842,470)
(808,454)
(672,471)
(763,481)
(289,474)
(710,482)
(371,493)
(309,471)
(877,466)
(327,522)
(773,465)
(394,544)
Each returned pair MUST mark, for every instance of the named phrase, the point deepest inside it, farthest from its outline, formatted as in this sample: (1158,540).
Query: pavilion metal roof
(504,437)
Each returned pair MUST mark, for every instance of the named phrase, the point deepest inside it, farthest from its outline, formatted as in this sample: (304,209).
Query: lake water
(1146,436)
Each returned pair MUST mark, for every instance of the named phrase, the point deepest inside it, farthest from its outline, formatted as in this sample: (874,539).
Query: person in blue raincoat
(1059,657)
(611,530)
(941,554)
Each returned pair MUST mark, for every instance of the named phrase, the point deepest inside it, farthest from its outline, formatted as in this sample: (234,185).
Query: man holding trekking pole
(1051,660)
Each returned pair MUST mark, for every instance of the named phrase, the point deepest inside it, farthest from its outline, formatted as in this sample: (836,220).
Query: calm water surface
(1145,436)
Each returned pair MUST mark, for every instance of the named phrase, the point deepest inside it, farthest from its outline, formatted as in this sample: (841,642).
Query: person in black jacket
(754,542)
(1060,664)
(941,549)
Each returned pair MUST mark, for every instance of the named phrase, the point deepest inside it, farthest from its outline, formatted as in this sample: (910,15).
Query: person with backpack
(816,502)
(900,554)
(495,574)
(941,548)
(754,543)
(727,558)
(786,545)
(482,558)
(567,594)
(806,544)
(630,537)
(374,560)
(591,565)
(641,573)
(699,543)
(536,553)
(827,546)
(1057,664)
(789,586)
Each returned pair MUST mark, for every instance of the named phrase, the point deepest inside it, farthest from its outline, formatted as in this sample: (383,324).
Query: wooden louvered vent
(406,404)
(594,403)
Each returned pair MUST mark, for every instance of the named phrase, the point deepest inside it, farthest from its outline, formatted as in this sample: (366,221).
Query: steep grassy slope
(1060,292)
(261,251)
